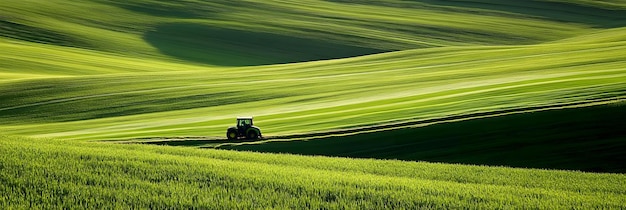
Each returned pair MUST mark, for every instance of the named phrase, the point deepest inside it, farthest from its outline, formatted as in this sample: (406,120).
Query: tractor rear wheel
(231,134)
(252,134)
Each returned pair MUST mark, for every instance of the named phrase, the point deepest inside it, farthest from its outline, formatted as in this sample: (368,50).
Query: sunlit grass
(202,101)
(73,73)
(48,173)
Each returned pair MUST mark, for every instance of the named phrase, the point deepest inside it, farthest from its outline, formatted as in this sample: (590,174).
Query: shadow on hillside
(233,47)
(549,10)
(587,139)
(556,11)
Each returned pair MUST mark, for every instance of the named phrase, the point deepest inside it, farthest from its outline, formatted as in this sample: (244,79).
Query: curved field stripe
(399,124)
(143,91)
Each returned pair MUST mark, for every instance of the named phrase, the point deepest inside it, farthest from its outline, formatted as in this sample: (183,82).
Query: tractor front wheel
(231,134)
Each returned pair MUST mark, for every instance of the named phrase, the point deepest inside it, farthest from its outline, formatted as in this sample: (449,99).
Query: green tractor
(245,128)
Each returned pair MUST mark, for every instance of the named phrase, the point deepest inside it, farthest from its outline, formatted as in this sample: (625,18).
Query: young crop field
(47,173)
(472,85)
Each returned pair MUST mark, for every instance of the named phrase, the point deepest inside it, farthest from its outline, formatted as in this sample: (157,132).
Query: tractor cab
(244,128)
(243,123)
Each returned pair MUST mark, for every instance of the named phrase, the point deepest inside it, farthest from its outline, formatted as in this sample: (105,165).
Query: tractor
(245,128)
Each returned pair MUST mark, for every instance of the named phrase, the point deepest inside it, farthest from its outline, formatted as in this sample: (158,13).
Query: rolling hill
(151,71)
(76,75)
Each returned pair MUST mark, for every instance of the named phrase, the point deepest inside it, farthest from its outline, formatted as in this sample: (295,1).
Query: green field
(45,173)
(588,139)
(77,76)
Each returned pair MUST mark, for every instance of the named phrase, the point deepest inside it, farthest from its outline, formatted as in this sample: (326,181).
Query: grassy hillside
(46,173)
(585,138)
(314,96)
(157,68)
(76,72)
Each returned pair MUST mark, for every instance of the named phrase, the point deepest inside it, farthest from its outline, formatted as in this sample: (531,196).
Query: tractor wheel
(253,134)
(231,134)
